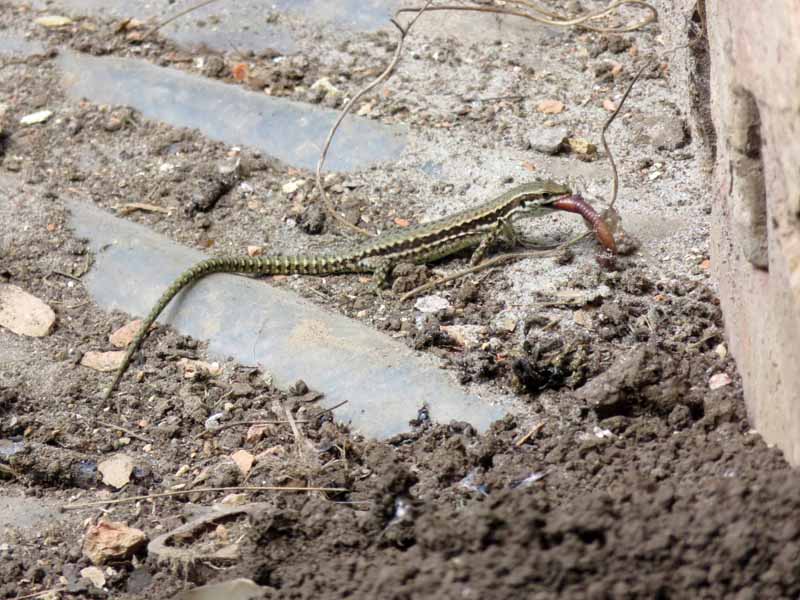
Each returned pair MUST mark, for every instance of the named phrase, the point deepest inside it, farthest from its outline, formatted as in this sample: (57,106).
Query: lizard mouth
(576,204)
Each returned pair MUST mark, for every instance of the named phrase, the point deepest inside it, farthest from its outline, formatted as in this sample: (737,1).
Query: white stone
(95,575)
(324,84)
(37,117)
(116,471)
(292,186)
(53,21)
(718,380)
(466,336)
(431,304)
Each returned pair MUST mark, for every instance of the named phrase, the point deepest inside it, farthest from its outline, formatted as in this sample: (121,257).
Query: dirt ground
(627,473)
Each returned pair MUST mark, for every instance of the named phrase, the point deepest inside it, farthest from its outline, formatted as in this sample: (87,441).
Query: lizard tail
(261,265)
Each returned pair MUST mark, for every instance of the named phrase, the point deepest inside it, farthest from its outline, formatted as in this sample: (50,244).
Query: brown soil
(627,477)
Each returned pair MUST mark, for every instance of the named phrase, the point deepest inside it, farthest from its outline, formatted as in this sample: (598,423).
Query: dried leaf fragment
(191,368)
(583,148)
(123,336)
(116,471)
(550,107)
(244,460)
(23,313)
(53,21)
(718,380)
(37,117)
(239,71)
(130,207)
(105,362)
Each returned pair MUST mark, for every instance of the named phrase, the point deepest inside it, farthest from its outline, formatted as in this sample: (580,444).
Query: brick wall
(754,100)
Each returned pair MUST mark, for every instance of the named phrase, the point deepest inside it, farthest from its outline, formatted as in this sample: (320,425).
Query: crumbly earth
(626,476)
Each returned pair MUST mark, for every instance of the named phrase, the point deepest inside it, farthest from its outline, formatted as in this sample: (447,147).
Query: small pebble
(548,140)
(37,117)
(431,304)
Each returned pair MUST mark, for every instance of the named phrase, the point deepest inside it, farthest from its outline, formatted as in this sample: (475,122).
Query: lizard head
(551,188)
(541,192)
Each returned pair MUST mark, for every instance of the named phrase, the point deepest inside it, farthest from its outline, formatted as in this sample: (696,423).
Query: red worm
(576,204)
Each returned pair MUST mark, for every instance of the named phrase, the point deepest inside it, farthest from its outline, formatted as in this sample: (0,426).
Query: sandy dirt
(623,472)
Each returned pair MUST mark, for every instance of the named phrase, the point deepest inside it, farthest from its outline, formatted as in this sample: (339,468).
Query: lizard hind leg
(380,276)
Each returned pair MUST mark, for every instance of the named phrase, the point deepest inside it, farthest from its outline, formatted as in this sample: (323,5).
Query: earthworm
(576,204)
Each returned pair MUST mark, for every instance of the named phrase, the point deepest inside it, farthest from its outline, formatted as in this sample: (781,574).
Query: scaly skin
(476,227)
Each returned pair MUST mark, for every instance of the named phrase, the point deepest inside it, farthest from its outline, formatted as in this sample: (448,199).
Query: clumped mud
(628,476)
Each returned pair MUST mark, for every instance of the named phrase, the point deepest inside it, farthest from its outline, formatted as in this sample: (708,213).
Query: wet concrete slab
(383,381)
(290,131)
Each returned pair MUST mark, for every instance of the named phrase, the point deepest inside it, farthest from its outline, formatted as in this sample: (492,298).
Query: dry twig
(311,419)
(495,261)
(176,17)
(549,18)
(127,432)
(238,488)
(299,438)
(248,424)
(327,410)
(615,174)
(531,432)
(540,15)
(349,106)
(55,590)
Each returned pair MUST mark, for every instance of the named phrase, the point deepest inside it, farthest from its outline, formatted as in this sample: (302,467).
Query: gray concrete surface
(288,130)
(16,45)
(241,25)
(25,512)
(755,87)
(383,381)
(663,206)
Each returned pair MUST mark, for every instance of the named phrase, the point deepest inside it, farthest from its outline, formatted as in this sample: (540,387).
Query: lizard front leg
(381,274)
(381,269)
(529,212)
(501,230)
